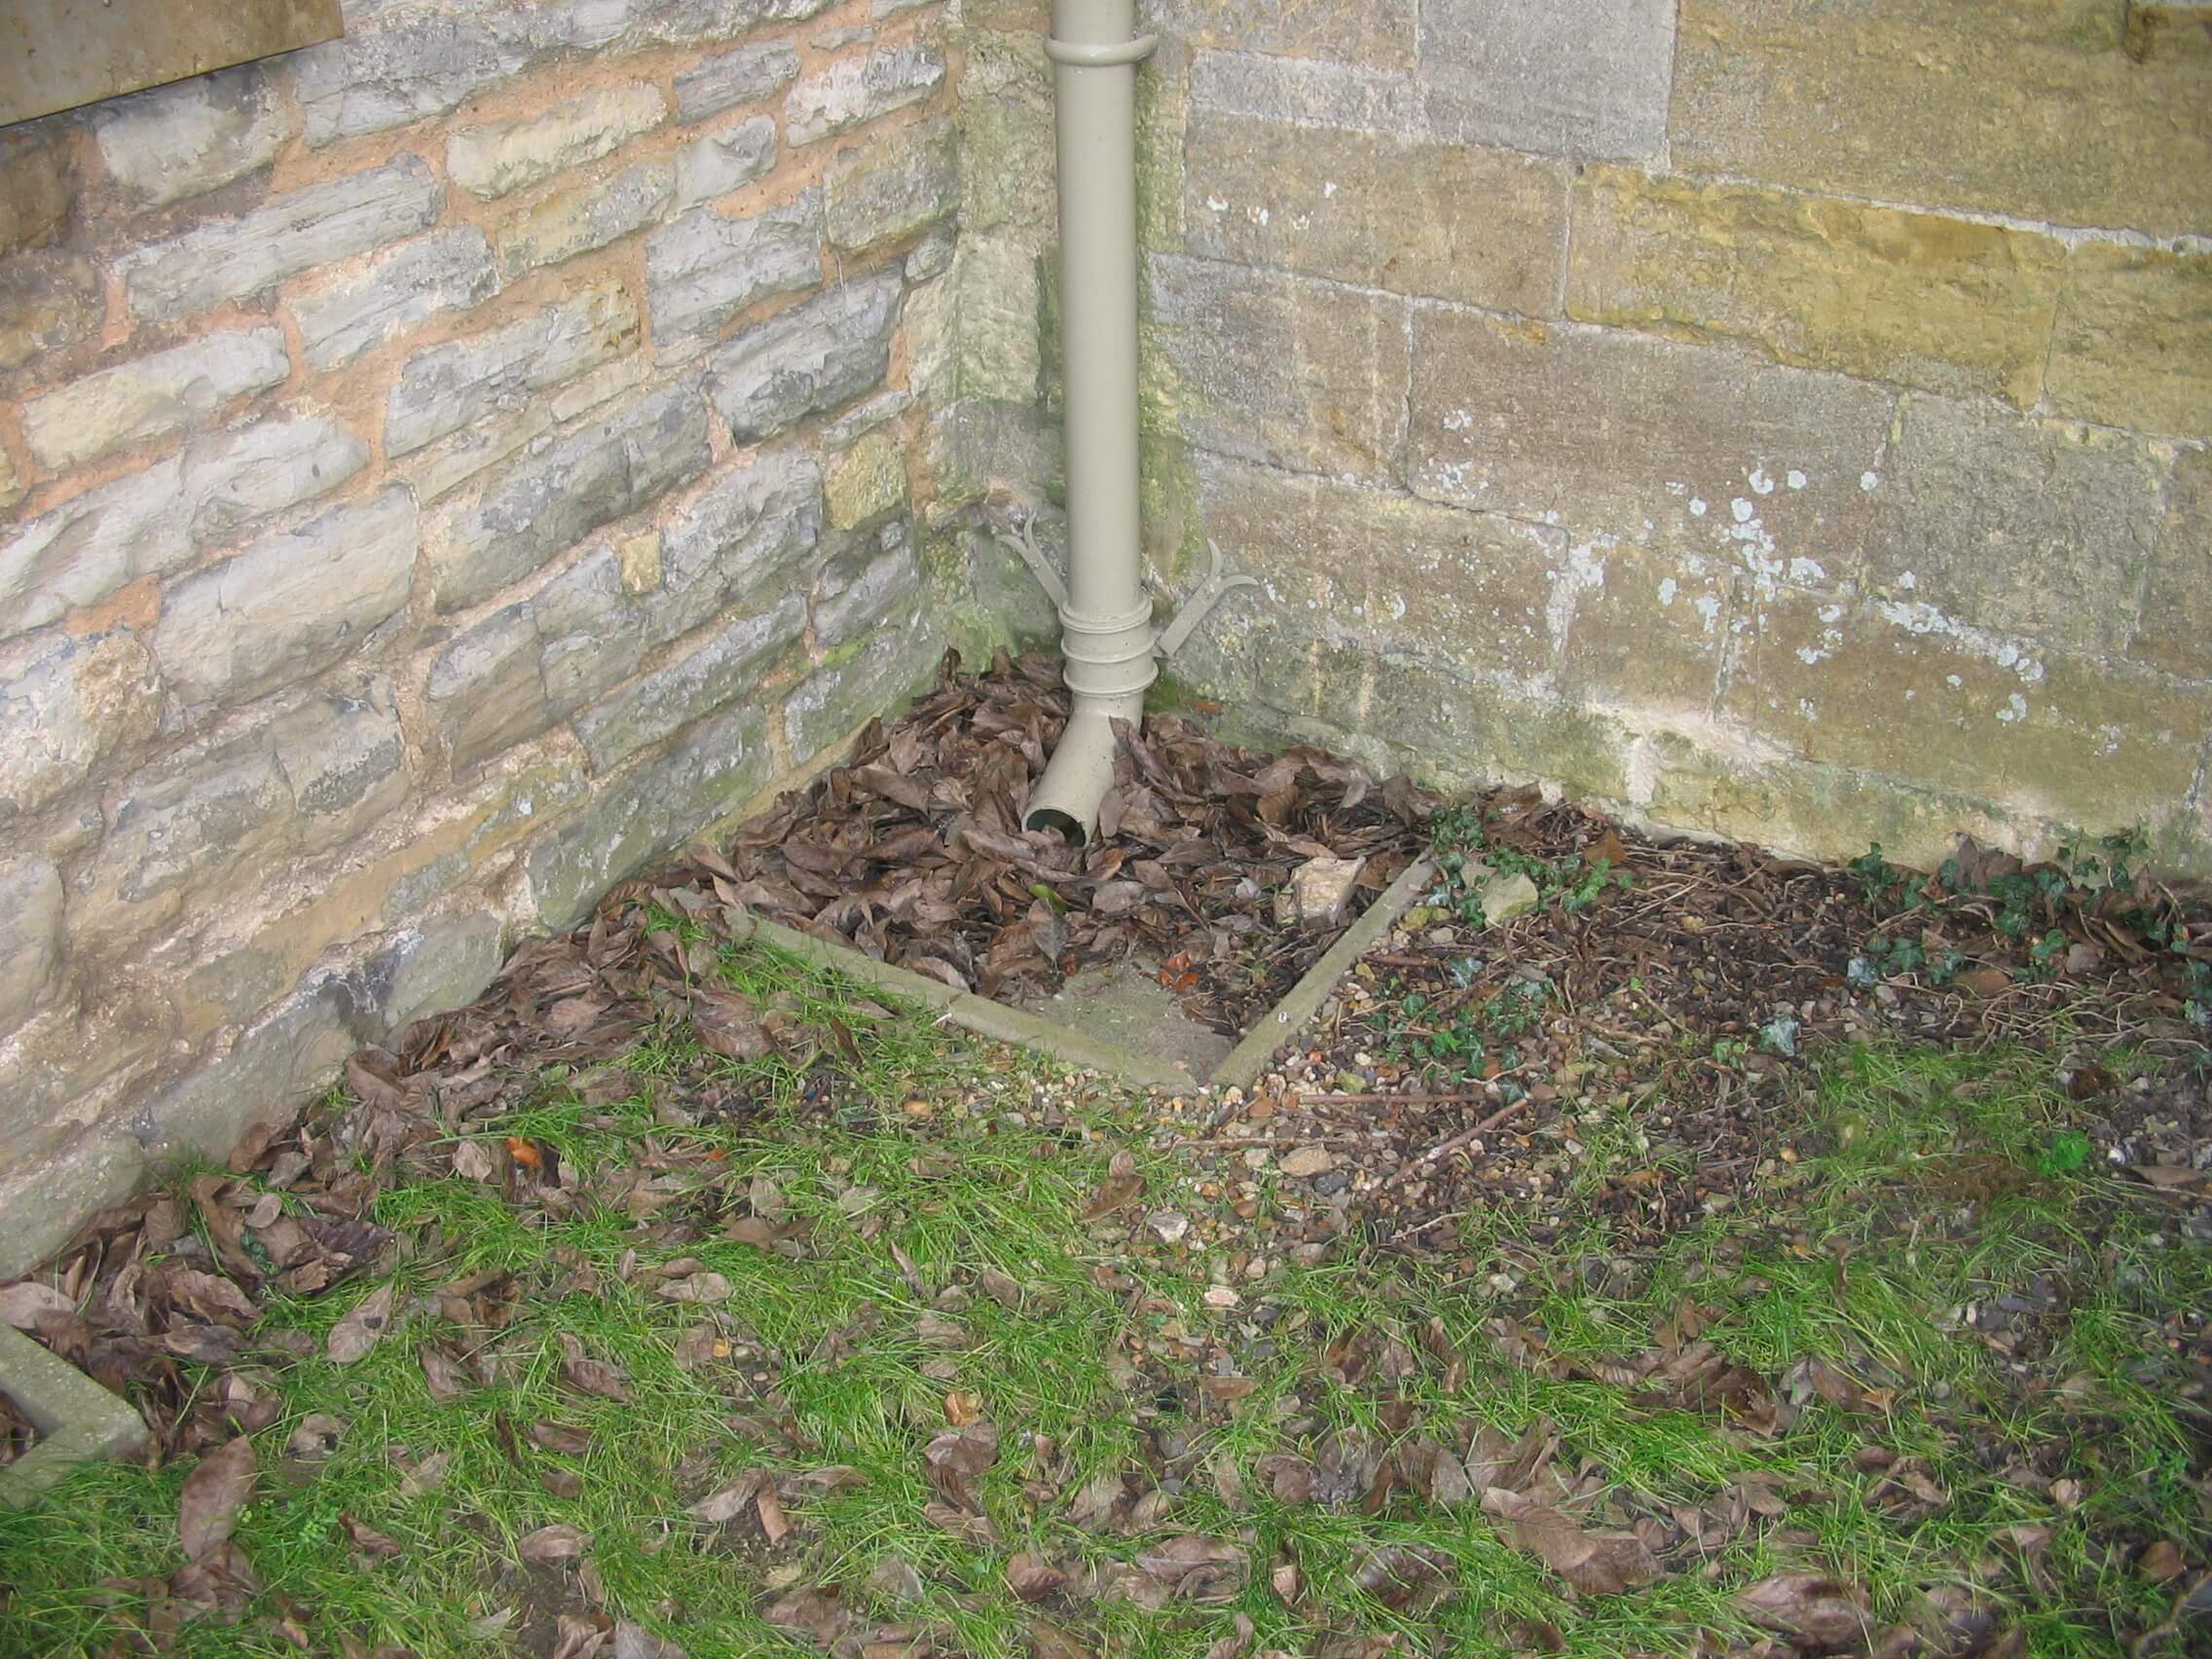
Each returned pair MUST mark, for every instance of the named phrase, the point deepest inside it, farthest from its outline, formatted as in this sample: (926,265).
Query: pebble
(1329,1184)
(1308,1161)
(1170,1224)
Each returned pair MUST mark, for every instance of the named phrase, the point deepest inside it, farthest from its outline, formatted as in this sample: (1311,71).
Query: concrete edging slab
(1002,1024)
(1249,1058)
(76,1418)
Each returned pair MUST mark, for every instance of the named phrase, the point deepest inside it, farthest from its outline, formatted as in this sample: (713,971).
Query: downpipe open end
(1066,799)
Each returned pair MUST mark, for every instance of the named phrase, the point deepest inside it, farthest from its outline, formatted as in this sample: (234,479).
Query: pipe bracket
(1023,541)
(1080,54)
(1217,586)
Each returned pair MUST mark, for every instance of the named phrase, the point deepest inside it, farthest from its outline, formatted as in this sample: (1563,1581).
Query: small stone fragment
(1323,888)
(1308,1161)
(1508,896)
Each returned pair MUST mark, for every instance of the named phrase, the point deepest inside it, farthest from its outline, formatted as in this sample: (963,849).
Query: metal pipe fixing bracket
(1217,586)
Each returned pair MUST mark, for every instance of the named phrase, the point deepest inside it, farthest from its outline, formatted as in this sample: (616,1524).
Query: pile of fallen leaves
(915,854)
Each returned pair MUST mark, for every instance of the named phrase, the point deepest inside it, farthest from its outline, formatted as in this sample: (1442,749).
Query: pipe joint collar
(1109,657)
(1082,54)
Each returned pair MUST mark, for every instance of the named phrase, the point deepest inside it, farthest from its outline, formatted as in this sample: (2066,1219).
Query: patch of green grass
(1922,1192)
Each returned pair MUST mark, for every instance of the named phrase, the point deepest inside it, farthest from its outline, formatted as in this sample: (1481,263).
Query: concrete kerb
(1002,1024)
(75,1416)
(1249,1058)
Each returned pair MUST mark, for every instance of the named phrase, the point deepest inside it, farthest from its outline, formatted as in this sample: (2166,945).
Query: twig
(1447,1147)
(1393,1099)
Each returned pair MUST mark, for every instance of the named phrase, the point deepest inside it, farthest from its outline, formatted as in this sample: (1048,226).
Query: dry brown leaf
(316,1438)
(591,1375)
(367,1539)
(1031,1578)
(1810,1608)
(1597,1564)
(207,1507)
(354,1336)
(22,1304)
(728,1503)
(557,1542)
(1122,1188)
(955,1459)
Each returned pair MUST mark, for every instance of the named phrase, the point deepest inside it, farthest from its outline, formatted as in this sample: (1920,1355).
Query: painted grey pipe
(1106,618)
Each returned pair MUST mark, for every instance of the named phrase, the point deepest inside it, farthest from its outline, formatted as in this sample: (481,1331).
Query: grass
(1918,1196)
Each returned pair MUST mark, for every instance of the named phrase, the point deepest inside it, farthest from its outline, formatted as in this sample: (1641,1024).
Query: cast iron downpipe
(1108,639)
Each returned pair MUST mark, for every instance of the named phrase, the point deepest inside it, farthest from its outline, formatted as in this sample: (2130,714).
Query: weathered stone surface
(724,161)
(152,396)
(91,545)
(49,298)
(446,270)
(1407,214)
(343,756)
(998,350)
(868,481)
(2176,630)
(1279,369)
(234,479)
(492,161)
(437,967)
(845,693)
(486,691)
(188,137)
(1388,571)
(725,670)
(291,604)
(39,184)
(1910,298)
(2017,525)
(1305,91)
(193,820)
(422,65)
(1005,134)
(855,89)
(65,704)
(454,385)
(863,418)
(982,446)
(551,501)
(235,259)
(292,1052)
(1895,686)
(31,948)
(648,811)
(456,460)
(807,360)
(864,583)
(751,72)
(1648,627)
(639,558)
(1770,470)
(576,221)
(2133,344)
(704,269)
(1379,35)
(749,533)
(11,488)
(428,64)
(892,187)
(1582,80)
(2046,111)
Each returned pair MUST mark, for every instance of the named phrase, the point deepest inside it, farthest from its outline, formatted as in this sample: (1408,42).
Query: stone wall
(439,471)
(1774,418)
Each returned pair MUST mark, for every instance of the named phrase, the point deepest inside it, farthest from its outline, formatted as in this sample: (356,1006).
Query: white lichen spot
(2014,711)
(1869,482)
(1259,215)
(1458,420)
(1697,507)
(1217,204)
(1831,614)
(1329,191)
(1678,489)
(1908,581)
(1761,480)
(1304,221)
(1953,681)
(1796,480)
(1708,608)
(1397,608)
(1806,571)
(1742,510)
(1810,655)
(1806,707)
(1667,591)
